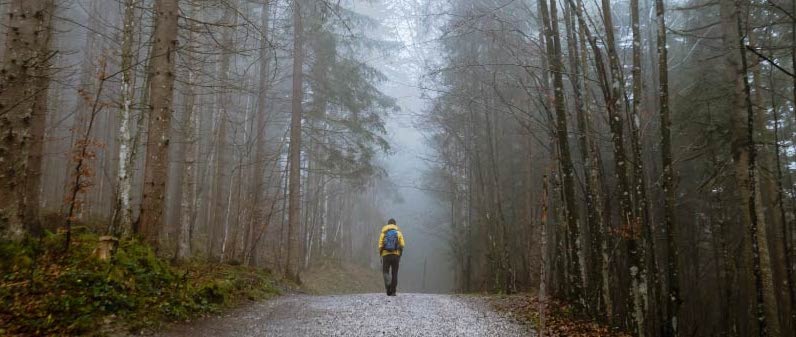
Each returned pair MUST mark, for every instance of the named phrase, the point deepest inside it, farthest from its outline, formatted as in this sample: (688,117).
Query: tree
(123,212)
(669,189)
(161,92)
(188,207)
(553,42)
(23,104)
(294,156)
(258,190)
(745,160)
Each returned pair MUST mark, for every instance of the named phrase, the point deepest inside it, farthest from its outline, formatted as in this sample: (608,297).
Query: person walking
(391,247)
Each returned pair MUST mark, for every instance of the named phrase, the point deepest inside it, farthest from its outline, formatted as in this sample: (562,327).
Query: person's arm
(381,242)
(401,241)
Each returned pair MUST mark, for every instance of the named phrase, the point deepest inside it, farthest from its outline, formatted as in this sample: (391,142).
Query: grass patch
(330,277)
(46,292)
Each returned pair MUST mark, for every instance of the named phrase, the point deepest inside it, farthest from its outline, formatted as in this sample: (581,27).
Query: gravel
(404,315)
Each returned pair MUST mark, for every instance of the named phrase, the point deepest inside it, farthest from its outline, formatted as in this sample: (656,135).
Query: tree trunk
(543,263)
(593,218)
(571,209)
(38,110)
(649,269)
(672,308)
(259,191)
(187,218)
(294,156)
(23,89)
(744,156)
(221,189)
(788,265)
(123,212)
(161,92)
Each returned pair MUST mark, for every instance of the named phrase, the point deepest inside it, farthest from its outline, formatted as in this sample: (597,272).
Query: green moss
(49,292)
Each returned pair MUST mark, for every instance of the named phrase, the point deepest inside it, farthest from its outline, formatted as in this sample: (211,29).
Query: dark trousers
(388,263)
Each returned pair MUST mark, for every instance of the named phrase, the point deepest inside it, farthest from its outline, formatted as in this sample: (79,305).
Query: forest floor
(45,291)
(331,278)
(560,320)
(404,315)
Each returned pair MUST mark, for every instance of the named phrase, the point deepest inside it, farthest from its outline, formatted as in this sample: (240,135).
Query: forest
(634,159)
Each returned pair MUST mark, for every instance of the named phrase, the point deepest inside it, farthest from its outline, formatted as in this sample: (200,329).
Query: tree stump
(107,244)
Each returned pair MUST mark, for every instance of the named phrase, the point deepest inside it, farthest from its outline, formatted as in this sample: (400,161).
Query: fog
(426,265)
(633,158)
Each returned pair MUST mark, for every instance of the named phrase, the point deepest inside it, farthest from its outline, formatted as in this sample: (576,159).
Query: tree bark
(23,106)
(672,308)
(294,156)
(543,264)
(745,159)
(584,144)
(258,190)
(161,92)
(123,212)
(33,174)
(188,206)
(571,209)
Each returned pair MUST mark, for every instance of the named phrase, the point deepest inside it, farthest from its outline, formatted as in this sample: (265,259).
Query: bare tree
(668,184)
(123,211)
(573,226)
(745,161)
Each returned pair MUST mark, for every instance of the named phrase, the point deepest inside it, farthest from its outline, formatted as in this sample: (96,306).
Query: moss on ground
(47,292)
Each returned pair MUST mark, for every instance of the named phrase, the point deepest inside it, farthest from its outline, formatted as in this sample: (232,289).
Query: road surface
(405,315)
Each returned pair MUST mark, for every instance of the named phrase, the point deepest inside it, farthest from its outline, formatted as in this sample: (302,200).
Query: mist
(630,160)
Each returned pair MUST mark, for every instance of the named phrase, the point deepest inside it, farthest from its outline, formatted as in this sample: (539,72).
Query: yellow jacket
(400,240)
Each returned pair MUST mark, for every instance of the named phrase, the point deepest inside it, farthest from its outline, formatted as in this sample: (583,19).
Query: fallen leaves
(559,317)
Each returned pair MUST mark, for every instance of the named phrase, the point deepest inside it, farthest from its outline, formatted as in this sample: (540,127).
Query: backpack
(391,240)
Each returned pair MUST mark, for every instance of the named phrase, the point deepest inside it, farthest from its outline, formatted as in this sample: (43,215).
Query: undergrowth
(47,292)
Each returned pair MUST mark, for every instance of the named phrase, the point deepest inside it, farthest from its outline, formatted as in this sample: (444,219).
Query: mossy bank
(46,291)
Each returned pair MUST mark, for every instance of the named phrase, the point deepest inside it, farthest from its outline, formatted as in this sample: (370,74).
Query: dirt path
(359,315)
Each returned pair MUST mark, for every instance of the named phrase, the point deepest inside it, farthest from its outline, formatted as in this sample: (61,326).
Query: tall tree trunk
(630,224)
(602,239)
(649,271)
(259,191)
(584,144)
(788,265)
(221,190)
(123,212)
(672,308)
(161,92)
(38,111)
(571,209)
(188,207)
(769,202)
(23,88)
(294,156)
(744,156)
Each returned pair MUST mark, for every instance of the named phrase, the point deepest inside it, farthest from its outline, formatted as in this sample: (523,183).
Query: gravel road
(358,315)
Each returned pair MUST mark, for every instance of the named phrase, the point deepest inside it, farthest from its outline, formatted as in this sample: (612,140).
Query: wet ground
(405,315)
